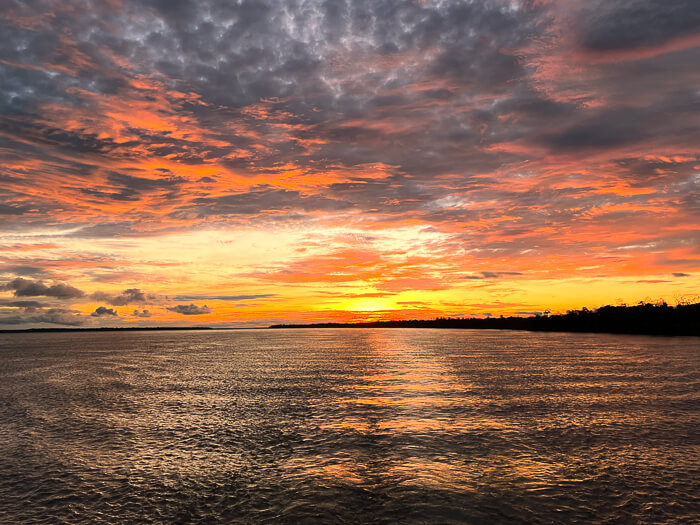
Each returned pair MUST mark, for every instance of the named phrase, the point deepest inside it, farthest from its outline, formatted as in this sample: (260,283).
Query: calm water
(347,426)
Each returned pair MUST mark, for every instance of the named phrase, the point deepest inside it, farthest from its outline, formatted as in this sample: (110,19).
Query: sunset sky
(243,163)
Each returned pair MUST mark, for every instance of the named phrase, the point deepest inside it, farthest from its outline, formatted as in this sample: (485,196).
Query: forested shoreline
(642,318)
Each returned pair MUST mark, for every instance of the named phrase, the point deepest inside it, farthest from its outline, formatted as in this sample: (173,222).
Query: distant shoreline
(640,319)
(433,324)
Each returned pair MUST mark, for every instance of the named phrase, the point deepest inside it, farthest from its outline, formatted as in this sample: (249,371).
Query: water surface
(347,426)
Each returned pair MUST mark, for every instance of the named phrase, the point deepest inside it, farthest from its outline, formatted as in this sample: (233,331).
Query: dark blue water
(348,426)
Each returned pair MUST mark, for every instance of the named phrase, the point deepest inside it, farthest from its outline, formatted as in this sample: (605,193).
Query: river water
(348,426)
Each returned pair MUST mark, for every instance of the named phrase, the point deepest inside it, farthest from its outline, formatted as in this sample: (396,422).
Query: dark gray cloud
(103,311)
(24,270)
(74,142)
(59,316)
(629,24)
(608,129)
(130,188)
(13,209)
(128,296)
(261,199)
(141,313)
(28,288)
(23,304)
(190,309)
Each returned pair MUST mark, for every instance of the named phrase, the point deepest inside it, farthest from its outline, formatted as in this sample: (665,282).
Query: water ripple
(348,426)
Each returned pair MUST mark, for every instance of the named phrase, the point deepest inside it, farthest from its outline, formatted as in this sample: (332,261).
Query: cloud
(28,288)
(608,26)
(141,313)
(24,270)
(680,274)
(24,304)
(224,297)
(103,311)
(489,275)
(260,200)
(57,316)
(131,188)
(401,284)
(128,296)
(190,309)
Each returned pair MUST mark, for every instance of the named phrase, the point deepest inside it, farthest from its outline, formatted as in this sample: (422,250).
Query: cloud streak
(224,297)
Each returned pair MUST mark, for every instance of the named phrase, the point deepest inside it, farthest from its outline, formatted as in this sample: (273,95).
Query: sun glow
(368,304)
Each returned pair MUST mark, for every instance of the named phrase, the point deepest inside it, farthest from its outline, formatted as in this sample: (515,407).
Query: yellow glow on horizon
(368,304)
(302,273)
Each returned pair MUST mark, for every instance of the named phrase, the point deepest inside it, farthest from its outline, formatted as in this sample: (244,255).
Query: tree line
(642,318)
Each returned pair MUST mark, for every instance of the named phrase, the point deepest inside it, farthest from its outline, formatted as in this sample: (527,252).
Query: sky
(244,163)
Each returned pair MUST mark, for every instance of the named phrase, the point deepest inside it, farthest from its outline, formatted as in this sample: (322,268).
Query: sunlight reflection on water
(379,425)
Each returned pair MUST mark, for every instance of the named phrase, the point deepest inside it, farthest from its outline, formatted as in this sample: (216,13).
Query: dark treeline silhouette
(643,318)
